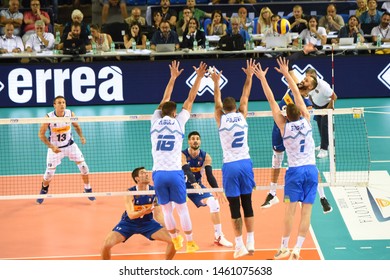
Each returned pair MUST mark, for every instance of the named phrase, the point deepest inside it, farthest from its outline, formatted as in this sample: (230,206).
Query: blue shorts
(301,184)
(197,198)
(128,228)
(238,177)
(170,186)
(277,140)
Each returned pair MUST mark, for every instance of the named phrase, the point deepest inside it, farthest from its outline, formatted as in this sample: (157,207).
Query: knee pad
(213,204)
(234,205)
(49,173)
(277,159)
(83,167)
(246,201)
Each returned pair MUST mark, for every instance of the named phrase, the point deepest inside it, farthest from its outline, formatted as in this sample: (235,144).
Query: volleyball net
(115,145)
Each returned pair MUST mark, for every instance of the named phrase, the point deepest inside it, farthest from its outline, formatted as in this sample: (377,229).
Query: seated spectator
(193,33)
(111,9)
(331,21)
(76,16)
(169,14)
(216,27)
(350,30)
(264,23)
(165,36)
(196,13)
(245,22)
(235,22)
(30,17)
(9,42)
(314,34)
(134,35)
(40,41)
(372,16)
(13,16)
(382,30)
(156,21)
(75,43)
(299,20)
(102,40)
(361,7)
(182,24)
(136,16)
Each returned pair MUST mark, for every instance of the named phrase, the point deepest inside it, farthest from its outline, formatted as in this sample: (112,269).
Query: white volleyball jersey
(167,140)
(233,134)
(322,94)
(299,143)
(60,134)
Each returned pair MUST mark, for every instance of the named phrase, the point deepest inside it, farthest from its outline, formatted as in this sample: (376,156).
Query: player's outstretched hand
(283,65)
(259,72)
(174,67)
(201,70)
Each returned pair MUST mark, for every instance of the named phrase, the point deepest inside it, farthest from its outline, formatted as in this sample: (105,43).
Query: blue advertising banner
(143,82)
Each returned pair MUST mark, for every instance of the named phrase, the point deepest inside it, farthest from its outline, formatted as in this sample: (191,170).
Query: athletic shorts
(72,152)
(170,186)
(128,229)
(197,198)
(238,177)
(301,184)
(277,140)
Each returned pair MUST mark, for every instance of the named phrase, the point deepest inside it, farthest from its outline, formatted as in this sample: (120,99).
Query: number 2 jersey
(167,140)
(233,134)
(60,134)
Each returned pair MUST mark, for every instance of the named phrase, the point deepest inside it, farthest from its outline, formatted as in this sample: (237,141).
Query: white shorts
(72,152)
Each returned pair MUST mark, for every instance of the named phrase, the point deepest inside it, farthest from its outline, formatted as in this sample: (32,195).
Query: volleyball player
(142,216)
(237,170)
(61,144)
(199,162)
(167,132)
(301,179)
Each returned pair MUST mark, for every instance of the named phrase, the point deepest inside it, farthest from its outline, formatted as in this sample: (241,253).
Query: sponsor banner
(366,210)
(143,82)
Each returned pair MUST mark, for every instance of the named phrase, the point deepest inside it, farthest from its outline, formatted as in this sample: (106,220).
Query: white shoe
(240,252)
(294,255)
(250,246)
(222,241)
(282,253)
(322,154)
(318,148)
(269,201)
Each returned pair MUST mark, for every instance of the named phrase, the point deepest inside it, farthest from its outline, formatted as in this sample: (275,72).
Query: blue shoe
(91,198)
(40,200)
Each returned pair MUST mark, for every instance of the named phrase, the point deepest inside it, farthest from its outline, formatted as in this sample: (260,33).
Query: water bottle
(299,43)
(133,45)
(358,40)
(195,45)
(251,44)
(57,42)
(247,45)
(147,44)
(378,40)
(112,47)
(250,28)
(94,48)
(207,44)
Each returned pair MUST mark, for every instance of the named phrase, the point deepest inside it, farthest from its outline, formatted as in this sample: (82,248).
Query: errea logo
(300,73)
(207,83)
(384,76)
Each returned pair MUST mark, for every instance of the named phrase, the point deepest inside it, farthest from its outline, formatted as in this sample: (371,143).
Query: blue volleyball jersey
(288,98)
(139,202)
(196,165)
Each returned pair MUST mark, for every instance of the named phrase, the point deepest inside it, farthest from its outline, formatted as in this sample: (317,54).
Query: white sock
(250,237)
(239,242)
(218,230)
(87,186)
(189,237)
(321,192)
(300,241)
(285,241)
(273,187)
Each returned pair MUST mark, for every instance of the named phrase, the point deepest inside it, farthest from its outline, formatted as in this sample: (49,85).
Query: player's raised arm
(218,107)
(175,72)
(200,71)
(246,90)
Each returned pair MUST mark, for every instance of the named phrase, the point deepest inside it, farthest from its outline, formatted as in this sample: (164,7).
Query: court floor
(74,228)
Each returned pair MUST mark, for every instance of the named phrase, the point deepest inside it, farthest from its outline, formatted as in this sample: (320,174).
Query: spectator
(136,16)
(235,21)
(245,22)
(102,40)
(193,33)
(10,43)
(40,41)
(332,21)
(372,16)
(30,17)
(314,34)
(196,13)
(382,30)
(182,24)
(299,20)
(165,36)
(76,16)
(216,27)
(75,41)
(167,13)
(157,19)
(350,30)
(362,7)
(111,8)
(134,34)
(264,24)
(13,16)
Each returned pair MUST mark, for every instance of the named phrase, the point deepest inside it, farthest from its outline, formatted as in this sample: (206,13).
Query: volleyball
(282,26)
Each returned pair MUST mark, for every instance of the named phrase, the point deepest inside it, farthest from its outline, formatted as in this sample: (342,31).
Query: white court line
(379,137)
(340,248)
(380,161)
(366,248)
